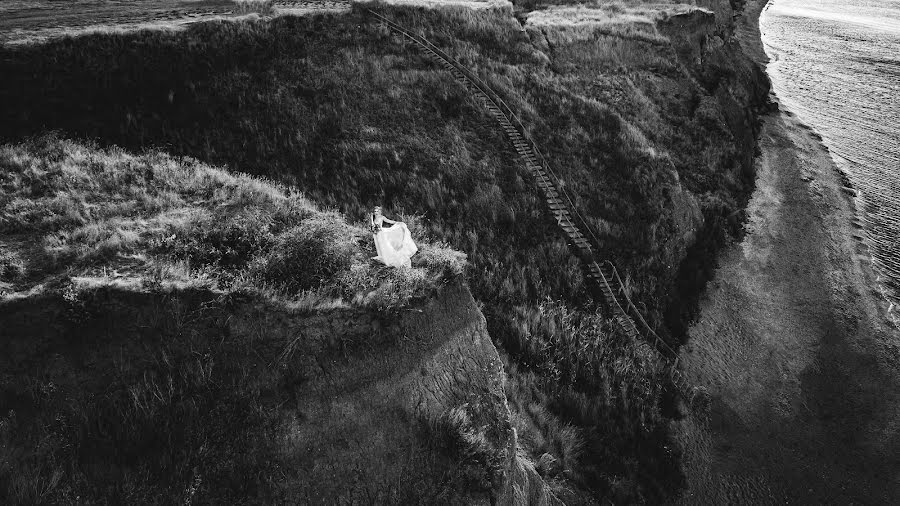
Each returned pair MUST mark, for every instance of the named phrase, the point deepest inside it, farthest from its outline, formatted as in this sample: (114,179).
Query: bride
(394,243)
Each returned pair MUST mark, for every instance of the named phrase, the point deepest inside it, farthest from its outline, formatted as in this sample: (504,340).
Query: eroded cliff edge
(172,333)
(647,116)
(344,405)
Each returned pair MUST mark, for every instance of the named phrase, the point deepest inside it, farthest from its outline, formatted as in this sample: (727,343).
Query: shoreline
(794,340)
(849,188)
(854,194)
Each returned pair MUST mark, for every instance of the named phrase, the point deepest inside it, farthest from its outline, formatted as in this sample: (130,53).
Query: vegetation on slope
(187,386)
(70,210)
(340,108)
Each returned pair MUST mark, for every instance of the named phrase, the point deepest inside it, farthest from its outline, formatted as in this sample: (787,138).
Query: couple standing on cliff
(393,243)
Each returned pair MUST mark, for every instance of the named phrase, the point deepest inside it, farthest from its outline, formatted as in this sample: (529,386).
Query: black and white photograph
(450,252)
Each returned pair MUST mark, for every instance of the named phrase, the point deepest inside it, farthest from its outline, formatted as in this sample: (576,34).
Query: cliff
(137,370)
(645,112)
(708,47)
(174,394)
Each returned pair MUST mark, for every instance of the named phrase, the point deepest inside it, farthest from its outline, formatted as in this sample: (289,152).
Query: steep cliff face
(643,113)
(736,93)
(686,98)
(338,406)
(152,354)
(707,46)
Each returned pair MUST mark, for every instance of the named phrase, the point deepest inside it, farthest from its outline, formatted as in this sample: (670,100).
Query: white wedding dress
(394,245)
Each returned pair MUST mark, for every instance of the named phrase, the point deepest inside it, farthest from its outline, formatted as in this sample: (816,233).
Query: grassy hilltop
(170,333)
(643,114)
(73,210)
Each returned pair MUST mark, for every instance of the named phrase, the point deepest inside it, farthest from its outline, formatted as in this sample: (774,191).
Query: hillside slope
(646,112)
(145,361)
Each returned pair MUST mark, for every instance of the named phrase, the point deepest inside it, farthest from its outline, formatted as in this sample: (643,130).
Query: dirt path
(794,343)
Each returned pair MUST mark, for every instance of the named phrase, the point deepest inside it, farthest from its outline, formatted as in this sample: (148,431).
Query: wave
(836,64)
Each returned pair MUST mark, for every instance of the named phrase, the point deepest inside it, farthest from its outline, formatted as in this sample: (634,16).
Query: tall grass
(340,108)
(264,7)
(162,403)
(162,428)
(82,209)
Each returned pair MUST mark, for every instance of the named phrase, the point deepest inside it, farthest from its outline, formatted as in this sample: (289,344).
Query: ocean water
(836,64)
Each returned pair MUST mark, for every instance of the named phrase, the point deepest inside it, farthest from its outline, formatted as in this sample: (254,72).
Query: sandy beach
(794,343)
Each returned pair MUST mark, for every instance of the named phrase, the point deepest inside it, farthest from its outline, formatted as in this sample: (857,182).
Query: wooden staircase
(601,274)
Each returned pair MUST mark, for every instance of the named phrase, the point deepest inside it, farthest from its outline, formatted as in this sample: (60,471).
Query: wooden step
(603,275)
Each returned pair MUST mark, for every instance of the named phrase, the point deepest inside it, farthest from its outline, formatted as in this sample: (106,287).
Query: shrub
(310,254)
(12,267)
(264,7)
(441,257)
(374,285)
(224,242)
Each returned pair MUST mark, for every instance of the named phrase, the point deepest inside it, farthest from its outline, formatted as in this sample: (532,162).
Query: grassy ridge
(302,101)
(146,395)
(340,108)
(74,210)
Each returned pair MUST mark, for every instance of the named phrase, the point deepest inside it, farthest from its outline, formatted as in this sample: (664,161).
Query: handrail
(669,350)
(551,185)
(610,288)
(493,97)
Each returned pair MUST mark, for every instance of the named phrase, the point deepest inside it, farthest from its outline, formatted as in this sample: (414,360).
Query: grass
(654,149)
(282,94)
(264,7)
(158,396)
(80,210)
(157,400)
(581,392)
